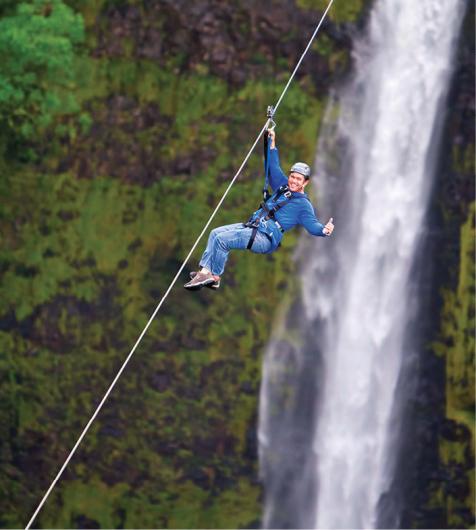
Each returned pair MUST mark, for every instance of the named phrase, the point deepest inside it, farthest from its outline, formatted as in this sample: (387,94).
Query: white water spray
(357,287)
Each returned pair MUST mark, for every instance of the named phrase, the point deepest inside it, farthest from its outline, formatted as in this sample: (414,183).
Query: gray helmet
(301,168)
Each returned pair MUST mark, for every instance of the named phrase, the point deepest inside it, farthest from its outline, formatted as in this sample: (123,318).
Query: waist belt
(254,225)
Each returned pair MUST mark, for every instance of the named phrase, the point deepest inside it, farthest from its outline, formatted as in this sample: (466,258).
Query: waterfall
(327,424)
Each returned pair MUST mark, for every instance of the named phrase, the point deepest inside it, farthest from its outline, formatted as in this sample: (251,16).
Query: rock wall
(100,206)
(439,455)
(98,210)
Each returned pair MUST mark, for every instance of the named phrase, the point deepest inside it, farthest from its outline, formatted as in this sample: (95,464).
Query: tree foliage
(37,50)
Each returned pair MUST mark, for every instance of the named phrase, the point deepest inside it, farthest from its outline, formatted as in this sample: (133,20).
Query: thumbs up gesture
(329,228)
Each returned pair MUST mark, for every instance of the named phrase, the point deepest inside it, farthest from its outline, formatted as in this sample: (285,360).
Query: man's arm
(312,224)
(277,178)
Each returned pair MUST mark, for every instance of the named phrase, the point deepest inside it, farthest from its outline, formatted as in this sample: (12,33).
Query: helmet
(301,168)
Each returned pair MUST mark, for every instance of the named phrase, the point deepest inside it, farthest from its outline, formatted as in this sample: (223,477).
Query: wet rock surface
(236,41)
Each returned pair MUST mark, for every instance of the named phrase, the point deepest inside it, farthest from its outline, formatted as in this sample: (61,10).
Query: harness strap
(266,146)
(270,114)
(253,223)
(254,226)
(252,238)
(270,212)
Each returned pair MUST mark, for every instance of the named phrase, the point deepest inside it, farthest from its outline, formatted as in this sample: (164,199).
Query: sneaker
(213,286)
(200,280)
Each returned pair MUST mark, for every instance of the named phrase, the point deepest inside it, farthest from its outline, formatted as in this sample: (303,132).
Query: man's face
(297,182)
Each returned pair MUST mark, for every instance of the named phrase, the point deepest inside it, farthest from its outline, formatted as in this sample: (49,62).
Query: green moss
(85,224)
(457,344)
(324,45)
(235,507)
(339,12)
(86,500)
(458,332)
(85,261)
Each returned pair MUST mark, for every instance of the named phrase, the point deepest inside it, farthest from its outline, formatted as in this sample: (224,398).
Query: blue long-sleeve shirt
(296,212)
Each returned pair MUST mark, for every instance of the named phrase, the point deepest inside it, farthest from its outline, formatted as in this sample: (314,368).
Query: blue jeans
(225,238)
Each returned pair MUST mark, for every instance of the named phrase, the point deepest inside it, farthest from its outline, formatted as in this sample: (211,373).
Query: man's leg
(236,239)
(206,260)
(210,255)
(220,242)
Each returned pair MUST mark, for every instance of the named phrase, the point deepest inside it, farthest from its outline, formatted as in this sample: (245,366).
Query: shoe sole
(196,287)
(213,286)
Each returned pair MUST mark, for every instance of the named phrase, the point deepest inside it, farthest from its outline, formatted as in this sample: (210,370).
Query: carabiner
(273,125)
(270,115)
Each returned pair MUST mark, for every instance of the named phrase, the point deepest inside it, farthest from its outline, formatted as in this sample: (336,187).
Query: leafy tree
(37,49)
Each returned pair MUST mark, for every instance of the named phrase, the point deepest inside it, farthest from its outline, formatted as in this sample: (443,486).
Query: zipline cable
(131,353)
(302,56)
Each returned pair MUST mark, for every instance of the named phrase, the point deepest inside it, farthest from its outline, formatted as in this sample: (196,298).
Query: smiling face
(297,182)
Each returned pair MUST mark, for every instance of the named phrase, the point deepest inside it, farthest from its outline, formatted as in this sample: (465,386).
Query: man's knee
(213,235)
(217,231)
(221,240)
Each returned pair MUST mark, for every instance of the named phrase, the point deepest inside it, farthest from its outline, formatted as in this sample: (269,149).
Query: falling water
(329,388)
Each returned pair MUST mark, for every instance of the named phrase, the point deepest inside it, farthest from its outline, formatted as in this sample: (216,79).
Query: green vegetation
(459,331)
(37,44)
(110,163)
(86,256)
(457,344)
(339,12)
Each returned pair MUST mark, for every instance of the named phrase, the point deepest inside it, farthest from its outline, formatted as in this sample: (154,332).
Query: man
(287,207)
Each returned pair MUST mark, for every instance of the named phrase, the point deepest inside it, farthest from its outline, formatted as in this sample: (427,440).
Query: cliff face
(99,208)
(98,212)
(440,448)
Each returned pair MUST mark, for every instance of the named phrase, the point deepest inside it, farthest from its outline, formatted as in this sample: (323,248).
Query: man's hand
(329,228)
(272,138)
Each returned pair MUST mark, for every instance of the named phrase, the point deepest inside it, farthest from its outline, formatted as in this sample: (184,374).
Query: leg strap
(252,238)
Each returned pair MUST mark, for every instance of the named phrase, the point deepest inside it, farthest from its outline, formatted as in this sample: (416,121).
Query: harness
(268,213)
(270,205)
